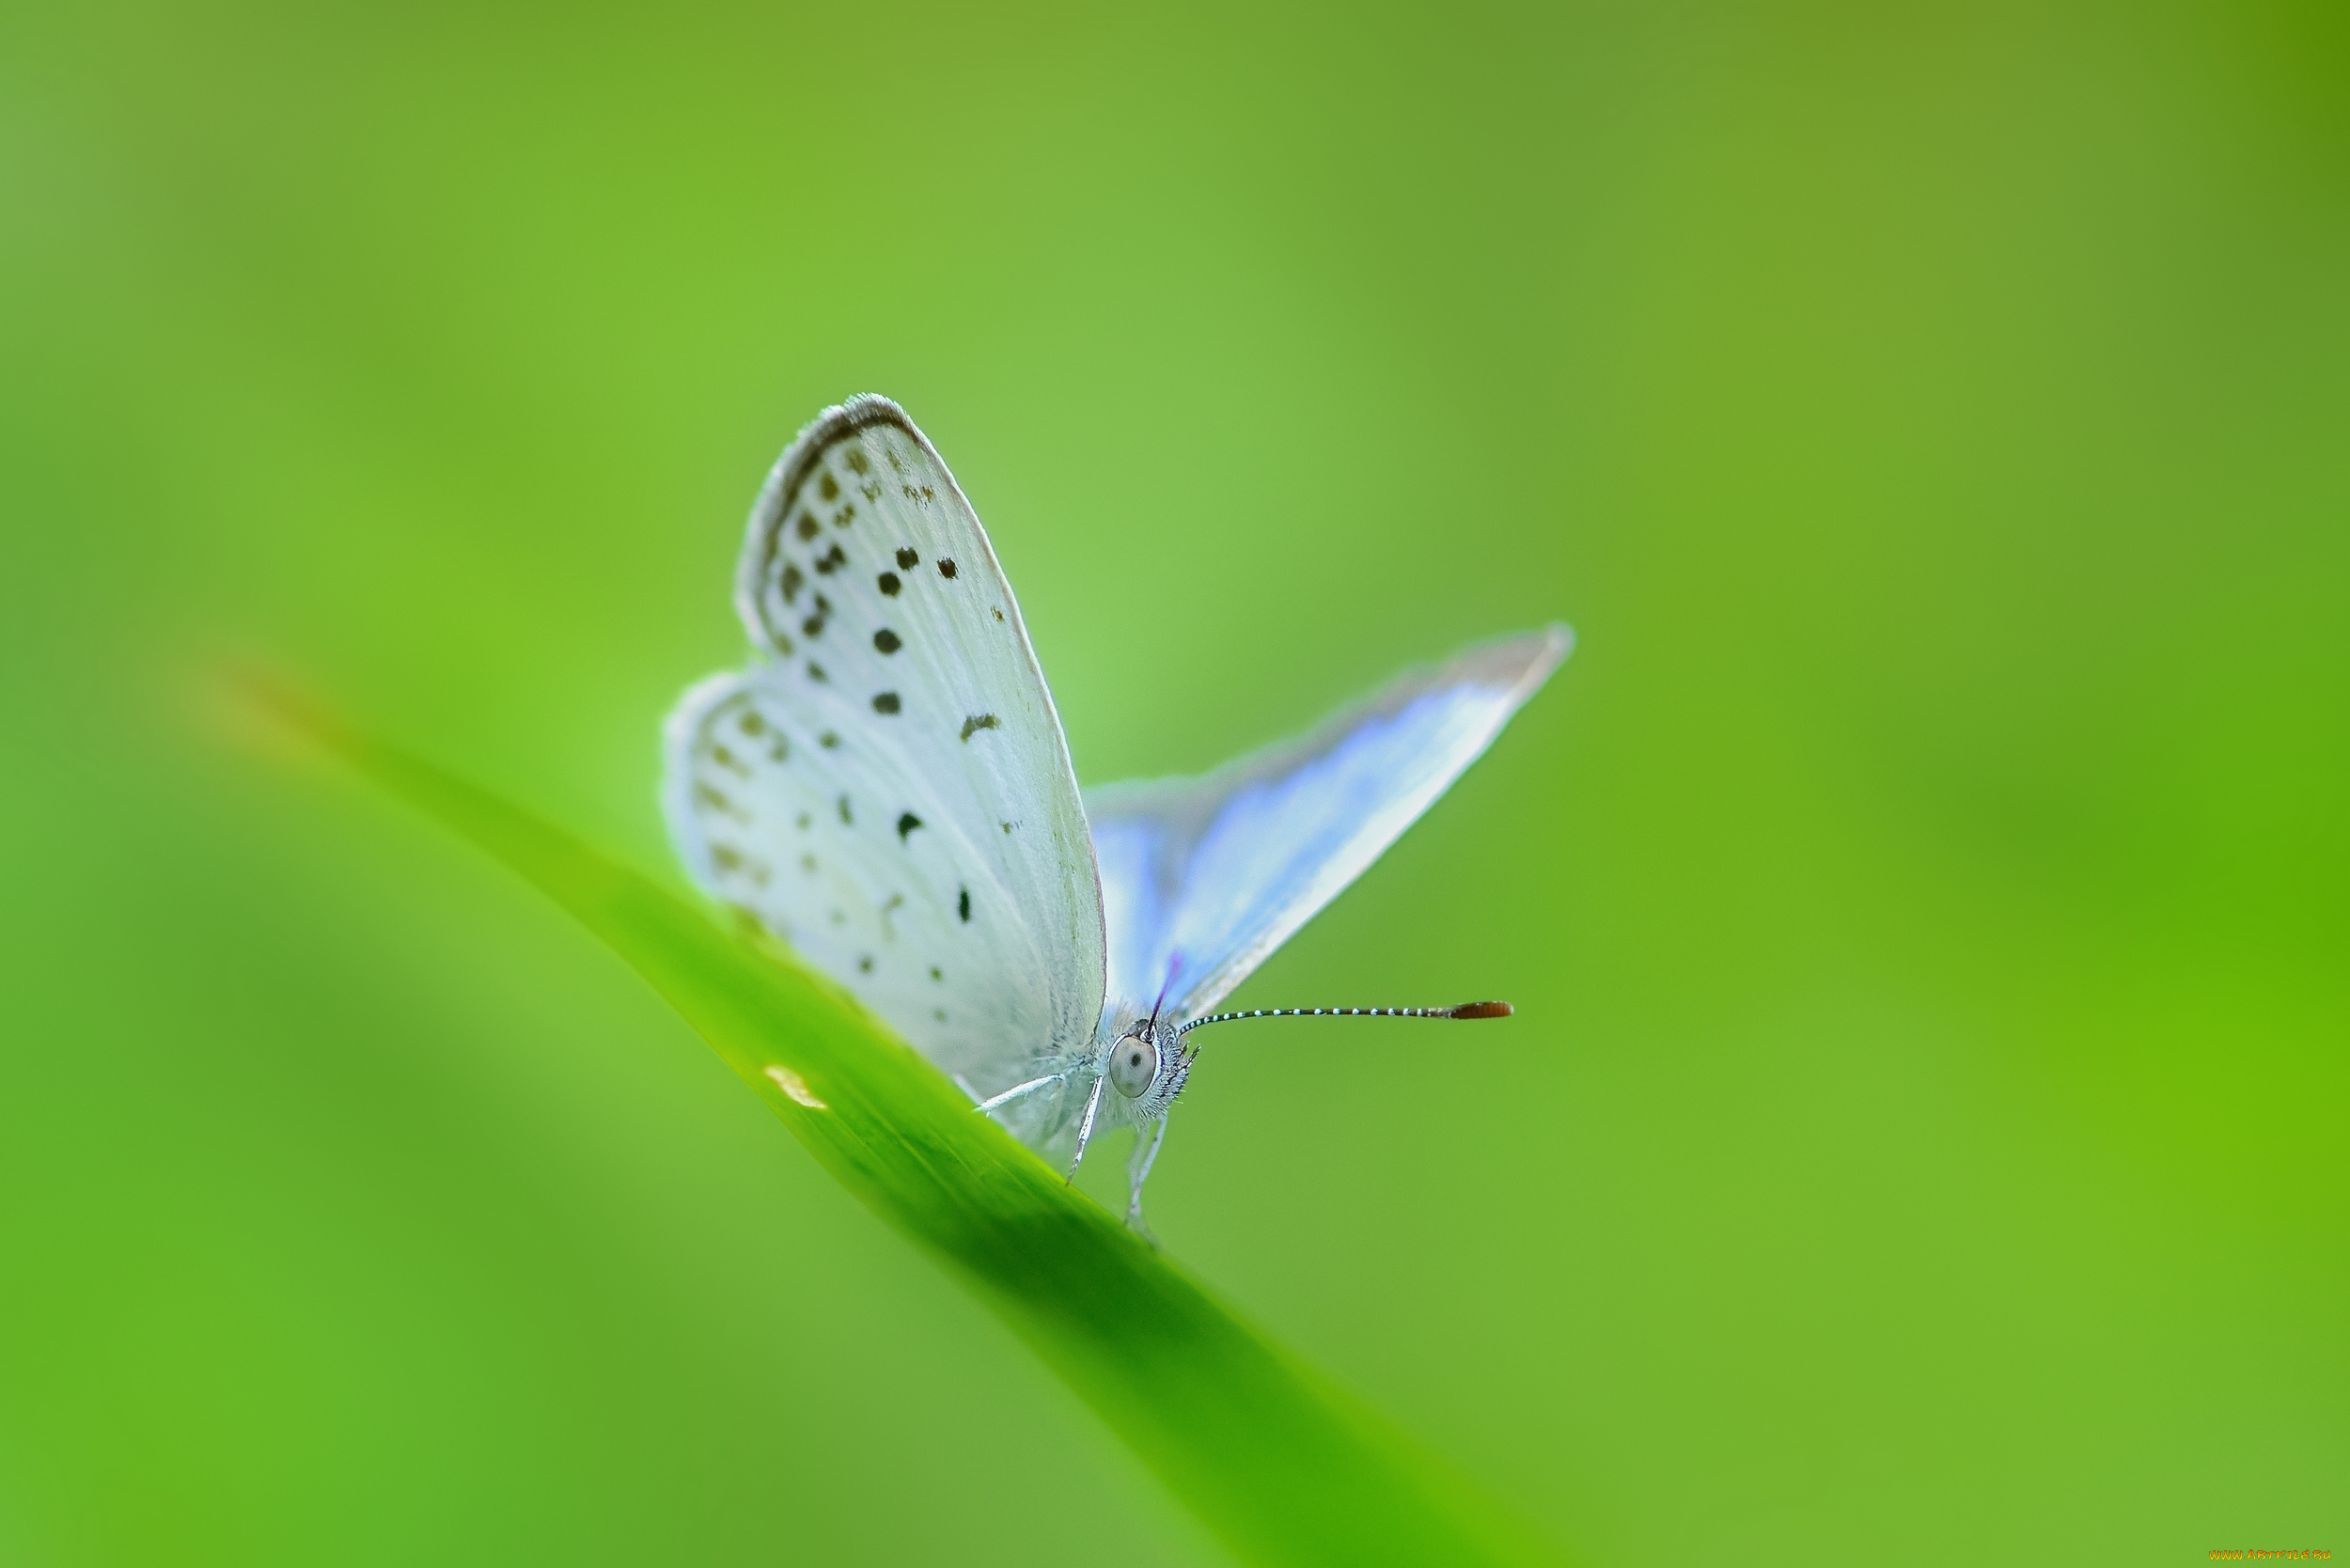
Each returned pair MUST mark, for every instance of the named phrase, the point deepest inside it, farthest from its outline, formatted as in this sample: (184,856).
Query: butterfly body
(887,788)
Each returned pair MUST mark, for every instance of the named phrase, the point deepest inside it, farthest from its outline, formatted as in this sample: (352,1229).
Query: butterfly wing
(1203,878)
(889,789)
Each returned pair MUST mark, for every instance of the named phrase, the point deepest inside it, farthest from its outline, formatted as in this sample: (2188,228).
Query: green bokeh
(1924,890)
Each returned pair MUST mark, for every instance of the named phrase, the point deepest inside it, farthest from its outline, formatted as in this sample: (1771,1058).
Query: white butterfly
(888,789)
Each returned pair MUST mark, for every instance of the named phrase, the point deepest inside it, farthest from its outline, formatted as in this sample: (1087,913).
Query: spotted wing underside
(888,789)
(1203,878)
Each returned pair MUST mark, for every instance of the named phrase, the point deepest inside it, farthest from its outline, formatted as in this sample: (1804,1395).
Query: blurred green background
(1924,890)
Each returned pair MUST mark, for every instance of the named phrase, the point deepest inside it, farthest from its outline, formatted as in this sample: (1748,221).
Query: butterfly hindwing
(1203,878)
(891,791)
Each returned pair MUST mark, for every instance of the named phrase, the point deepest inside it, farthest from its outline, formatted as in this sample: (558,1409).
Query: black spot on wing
(856,460)
(885,703)
(791,581)
(977,722)
(886,641)
(828,487)
(887,583)
(962,904)
(805,528)
(907,822)
(816,671)
(946,567)
(828,740)
(845,516)
(846,821)
(831,560)
(907,560)
(733,862)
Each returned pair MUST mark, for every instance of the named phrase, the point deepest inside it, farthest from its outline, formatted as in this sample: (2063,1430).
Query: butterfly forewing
(891,791)
(1203,878)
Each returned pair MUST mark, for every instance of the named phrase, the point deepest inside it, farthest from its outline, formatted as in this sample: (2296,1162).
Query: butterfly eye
(1134,1062)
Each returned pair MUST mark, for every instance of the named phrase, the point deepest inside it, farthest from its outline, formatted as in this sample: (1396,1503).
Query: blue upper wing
(1203,878)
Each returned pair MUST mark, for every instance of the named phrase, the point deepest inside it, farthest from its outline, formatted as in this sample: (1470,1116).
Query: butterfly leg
(1016,1091)
(1085,1130)
(1138,1172)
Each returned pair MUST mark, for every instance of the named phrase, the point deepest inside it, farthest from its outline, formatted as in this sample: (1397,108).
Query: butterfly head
(1147,1065)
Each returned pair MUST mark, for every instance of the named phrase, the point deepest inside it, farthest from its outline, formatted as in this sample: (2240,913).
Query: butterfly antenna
(1467,1009)
(1174,967)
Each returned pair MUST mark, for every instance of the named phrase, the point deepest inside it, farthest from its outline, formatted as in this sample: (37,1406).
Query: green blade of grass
(1281,1465)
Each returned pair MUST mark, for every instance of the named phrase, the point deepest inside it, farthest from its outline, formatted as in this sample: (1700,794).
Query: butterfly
(887,788)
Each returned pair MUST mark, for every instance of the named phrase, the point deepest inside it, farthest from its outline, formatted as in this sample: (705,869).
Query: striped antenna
(1467,1009)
